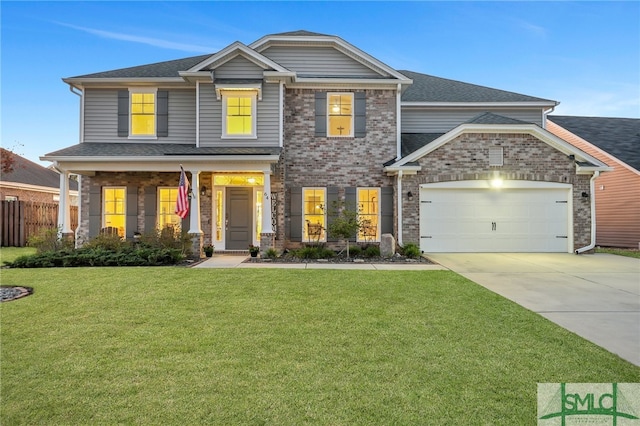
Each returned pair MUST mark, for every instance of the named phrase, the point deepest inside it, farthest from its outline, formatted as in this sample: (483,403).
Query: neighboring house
(274,133)
(28,181)
(616,142)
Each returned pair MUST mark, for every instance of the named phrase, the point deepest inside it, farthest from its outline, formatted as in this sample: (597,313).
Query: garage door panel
(487,220)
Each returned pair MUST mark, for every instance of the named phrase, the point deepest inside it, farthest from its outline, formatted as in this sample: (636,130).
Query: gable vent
(496,157)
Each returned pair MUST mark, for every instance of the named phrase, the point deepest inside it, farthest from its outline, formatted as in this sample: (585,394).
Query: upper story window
(340,114)
(239,114)
(143,113)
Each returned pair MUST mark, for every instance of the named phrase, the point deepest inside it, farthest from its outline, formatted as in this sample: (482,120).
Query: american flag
(182,203)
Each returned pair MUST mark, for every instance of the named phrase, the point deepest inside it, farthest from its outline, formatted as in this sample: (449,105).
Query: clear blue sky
(584,54)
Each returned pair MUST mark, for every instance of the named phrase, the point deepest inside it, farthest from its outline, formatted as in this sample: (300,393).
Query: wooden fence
(22,219)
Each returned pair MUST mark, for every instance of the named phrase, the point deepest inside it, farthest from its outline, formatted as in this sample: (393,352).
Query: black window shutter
(150,208)
(321,114)
(95,210)
(162,114)
(350,201)
(386,209)
(360,119)
(295,214)
(123,113)
(132,210)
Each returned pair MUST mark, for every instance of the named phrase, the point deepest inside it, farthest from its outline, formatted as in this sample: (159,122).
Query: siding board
(239,67)
(325,61)
(443,120)
(101,117)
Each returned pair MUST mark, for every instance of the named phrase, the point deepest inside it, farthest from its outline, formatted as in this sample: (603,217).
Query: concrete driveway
(595,296)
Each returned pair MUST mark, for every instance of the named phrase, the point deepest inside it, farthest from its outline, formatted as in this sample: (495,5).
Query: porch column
(195,229)
(64,209)
(266,205)
(194,221)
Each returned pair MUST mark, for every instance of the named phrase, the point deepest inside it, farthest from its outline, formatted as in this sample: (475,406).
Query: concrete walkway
(236,261)
(595,296)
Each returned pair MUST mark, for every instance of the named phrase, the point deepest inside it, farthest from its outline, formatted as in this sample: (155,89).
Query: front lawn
(172,345)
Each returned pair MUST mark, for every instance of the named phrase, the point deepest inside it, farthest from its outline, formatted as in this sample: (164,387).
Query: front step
(233,252)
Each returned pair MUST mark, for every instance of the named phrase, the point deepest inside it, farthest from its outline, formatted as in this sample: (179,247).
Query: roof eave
(520,104)
(120,81)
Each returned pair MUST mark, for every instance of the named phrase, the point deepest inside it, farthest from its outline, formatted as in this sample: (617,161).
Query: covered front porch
(230,197)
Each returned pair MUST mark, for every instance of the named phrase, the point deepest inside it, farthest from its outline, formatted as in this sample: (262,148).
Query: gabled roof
(30,173)
(493,123)
(431,89)
(619,137)
(230,52)
(300,33)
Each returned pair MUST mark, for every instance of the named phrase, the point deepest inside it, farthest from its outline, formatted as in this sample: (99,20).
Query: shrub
(271,253)
(372,251)
(355,250)
(112,242)
(314,252)
(47,240)
(411,250)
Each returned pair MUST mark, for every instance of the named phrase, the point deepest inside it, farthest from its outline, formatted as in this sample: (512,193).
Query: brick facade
(311,161)
(525,158)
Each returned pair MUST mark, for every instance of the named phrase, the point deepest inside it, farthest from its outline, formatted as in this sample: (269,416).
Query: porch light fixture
(585,194)
(203,191)
(496,182)
(410,195)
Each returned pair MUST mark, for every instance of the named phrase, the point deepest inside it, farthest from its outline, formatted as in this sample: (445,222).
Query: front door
(239,217)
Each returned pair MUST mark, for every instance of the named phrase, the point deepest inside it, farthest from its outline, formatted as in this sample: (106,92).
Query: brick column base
(267,241)
(197,242)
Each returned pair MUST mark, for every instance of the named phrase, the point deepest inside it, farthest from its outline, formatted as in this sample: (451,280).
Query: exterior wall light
(410,195)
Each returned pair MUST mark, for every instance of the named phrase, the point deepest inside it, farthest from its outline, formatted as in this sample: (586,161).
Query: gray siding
(101,117)
(317,61)
(238,67)
(211,118)
(441,121)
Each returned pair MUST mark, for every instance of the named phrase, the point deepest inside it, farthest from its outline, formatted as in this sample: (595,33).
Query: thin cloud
(533,29)
(165,44)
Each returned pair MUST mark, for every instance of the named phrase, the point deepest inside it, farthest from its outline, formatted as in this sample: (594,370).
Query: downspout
(398,123)
(592,186)
(81,119)
(399,208)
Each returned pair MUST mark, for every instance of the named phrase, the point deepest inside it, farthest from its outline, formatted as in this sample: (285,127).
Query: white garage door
(494,220)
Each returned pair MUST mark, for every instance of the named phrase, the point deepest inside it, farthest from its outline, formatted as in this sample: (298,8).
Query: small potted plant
(208,250)
(254,250)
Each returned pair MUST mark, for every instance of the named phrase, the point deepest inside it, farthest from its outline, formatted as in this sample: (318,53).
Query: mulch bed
(14,292)
(287,258)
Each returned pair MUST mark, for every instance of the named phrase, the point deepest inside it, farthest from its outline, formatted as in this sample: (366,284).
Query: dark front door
(239,218)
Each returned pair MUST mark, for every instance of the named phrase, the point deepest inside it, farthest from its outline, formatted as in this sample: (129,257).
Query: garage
(495,216)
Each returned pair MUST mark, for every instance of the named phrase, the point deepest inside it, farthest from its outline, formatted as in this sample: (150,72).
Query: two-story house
(274,133)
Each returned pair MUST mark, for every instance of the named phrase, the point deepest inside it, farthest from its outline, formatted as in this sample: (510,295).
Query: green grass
(9,254)
(282,347)
(619,251)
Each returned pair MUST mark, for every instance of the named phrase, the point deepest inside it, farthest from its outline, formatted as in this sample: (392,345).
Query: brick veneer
(142,180)
(525,158)
(309,161)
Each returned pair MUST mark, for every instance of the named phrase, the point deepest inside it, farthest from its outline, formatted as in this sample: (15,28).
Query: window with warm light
(314,211)
(369,214)
(167,218)
(340,114)
(143,114)
(239,109)
(114,209)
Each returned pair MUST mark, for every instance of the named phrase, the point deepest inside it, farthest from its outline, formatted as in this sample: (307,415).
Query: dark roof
(619,137)
(159,69)
(491,118)
(427,88)
(154,150)
(28,172)
(411,142)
